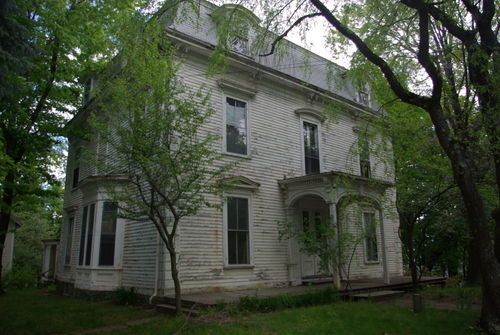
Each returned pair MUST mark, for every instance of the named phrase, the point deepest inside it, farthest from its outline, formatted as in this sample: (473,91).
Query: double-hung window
(371,245)
(238,230)
(311,147)
(108,234)
(98,218)
(86,236)
(236,128)
(364,158)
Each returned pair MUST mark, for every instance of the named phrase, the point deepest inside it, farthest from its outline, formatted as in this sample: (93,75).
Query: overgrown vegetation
(21,277)
(125,296)
(268,304)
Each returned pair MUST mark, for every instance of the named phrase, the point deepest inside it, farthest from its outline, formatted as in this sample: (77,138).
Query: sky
(316,37)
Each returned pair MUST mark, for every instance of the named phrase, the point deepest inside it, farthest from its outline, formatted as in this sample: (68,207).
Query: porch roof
(333,176)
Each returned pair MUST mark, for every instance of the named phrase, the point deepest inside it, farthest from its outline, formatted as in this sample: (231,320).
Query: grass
(30,312)
(463,297)
(435,292)
(33,311)
(341,318)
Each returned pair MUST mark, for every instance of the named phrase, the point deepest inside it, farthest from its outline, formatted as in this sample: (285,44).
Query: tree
(393,34)
(154,126)
(44,48)
(40,218)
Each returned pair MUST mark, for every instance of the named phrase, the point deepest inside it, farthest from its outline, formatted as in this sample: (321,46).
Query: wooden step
(377,295)
(316,280)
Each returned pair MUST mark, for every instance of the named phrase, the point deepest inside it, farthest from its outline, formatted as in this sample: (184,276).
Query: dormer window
(236,26)
(240,45)
(363,98)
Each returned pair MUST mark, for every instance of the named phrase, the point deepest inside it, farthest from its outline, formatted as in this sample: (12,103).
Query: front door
(311,215)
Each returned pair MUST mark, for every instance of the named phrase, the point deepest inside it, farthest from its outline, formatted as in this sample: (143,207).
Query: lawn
(340,318)
(36,312)
(31,312)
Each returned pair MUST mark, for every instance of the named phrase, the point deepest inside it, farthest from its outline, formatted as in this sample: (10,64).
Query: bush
(20,277)
(267,304)
(125,296)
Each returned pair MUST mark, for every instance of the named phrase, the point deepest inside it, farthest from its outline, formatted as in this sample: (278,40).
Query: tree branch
(466,36)
(424,57)
(48,87)
(404,94)
(282,36)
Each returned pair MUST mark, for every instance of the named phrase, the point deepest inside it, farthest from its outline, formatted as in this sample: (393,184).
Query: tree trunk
(5,215)
(478,221)
(496,216)
(175,278)
(411,255)
(473,277)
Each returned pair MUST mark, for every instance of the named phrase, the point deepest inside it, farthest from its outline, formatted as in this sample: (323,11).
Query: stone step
(377,295)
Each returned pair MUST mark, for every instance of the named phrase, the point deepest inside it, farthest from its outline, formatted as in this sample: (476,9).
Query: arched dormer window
(234,27)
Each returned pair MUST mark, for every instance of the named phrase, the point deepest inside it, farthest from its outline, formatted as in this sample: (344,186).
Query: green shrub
(20,277)
(267,304)
(125,296)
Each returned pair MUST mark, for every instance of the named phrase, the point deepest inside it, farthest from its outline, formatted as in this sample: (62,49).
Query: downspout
(157,269)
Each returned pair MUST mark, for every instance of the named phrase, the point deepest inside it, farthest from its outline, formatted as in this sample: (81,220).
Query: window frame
(224,125)
(249,197)
(101,216)
(246,43)
(362,142)
(95,242)
(365,239)
(68,248)
(302,144)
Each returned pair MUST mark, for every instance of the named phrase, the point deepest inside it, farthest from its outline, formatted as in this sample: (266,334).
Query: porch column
(293,265)
(332,207)
(387,279)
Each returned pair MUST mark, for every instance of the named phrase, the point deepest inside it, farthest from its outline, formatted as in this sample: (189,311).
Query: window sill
(236,155)
(99,268)
(238,267)
(372,262)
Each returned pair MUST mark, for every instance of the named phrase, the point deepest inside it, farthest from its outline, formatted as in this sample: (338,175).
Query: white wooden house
(300,163)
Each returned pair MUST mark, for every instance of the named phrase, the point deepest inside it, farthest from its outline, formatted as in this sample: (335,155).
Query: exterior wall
(275,153)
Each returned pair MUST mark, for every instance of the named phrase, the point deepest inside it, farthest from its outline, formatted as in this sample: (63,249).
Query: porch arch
(292,199)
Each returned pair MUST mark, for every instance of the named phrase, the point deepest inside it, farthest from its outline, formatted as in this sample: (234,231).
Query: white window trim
(303,157)
(68,235)
(249,197)
(96,238)
(224,144)
(377,235)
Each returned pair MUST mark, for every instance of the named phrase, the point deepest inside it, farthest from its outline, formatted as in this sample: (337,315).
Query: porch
(355,287)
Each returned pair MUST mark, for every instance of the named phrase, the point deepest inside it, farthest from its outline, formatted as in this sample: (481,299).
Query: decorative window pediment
(237,88)
(311,113)
(242,182)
